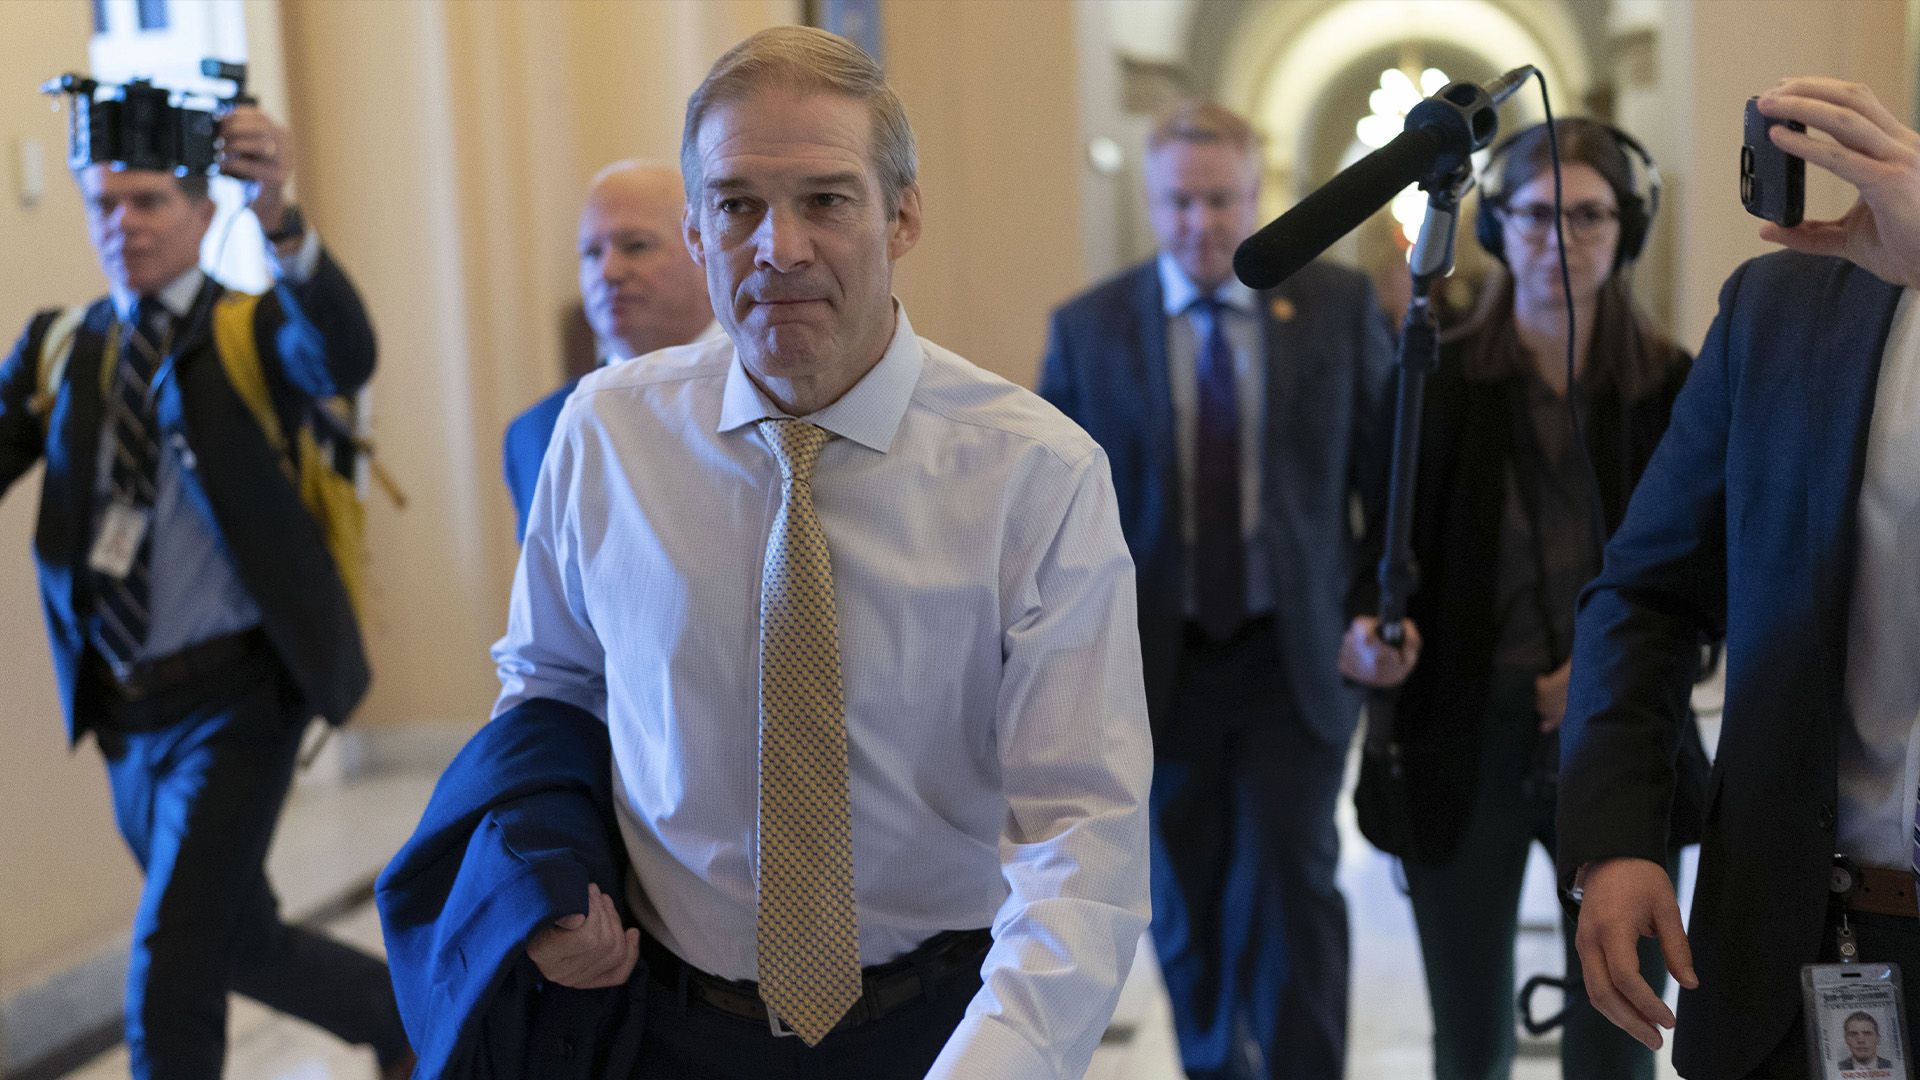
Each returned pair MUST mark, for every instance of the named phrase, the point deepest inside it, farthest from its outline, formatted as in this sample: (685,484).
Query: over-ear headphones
(1636,211)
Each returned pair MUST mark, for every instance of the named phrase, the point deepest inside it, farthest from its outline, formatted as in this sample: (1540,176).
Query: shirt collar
(1180,292)
(613,350)
(868,414)
(176,296)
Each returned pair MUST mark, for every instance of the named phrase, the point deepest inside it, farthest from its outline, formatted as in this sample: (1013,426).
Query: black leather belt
(148,678)
(884,987)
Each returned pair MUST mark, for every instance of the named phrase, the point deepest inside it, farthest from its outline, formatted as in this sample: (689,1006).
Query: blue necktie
(1219,549)
(122,603)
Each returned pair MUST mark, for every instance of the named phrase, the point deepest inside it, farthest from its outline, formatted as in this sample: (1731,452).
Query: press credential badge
(121,530)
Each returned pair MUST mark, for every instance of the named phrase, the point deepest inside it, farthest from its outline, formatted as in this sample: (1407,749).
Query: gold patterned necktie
(808,934)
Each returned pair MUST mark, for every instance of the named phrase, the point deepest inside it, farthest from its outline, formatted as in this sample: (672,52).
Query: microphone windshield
(1298,236)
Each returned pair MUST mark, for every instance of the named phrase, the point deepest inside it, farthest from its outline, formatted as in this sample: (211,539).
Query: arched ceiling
(1275,59)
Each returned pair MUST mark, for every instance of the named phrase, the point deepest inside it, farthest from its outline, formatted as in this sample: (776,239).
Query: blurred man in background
(641,289)
(1240,426)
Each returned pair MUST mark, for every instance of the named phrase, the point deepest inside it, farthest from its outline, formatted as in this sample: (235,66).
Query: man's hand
(1873,151)
(258,151)
(1367,660)
(1625,900)
(1550,697)
(587,951)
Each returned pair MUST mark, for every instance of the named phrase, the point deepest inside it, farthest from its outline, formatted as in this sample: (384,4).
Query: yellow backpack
(329,496)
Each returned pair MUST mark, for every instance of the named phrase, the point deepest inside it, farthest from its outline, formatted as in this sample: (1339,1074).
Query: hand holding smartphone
(1773,183)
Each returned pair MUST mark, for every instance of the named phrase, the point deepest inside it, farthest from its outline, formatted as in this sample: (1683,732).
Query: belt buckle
(778,1026)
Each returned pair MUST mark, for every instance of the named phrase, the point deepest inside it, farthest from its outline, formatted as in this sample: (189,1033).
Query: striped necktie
(122,606)
(808,935)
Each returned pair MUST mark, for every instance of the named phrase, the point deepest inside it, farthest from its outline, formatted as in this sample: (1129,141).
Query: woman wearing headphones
(1508,527)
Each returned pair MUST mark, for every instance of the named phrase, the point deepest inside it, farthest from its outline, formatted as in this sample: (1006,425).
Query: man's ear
(204,209)
(906,223)
(690,232)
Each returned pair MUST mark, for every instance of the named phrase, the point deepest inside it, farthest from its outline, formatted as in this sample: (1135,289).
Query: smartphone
(1773,183)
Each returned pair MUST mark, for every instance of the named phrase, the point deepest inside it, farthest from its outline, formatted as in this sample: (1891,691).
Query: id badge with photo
(122,528)
(1855,1016)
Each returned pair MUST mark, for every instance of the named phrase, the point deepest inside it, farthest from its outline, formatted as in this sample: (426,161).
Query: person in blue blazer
(1781,512)
(1241,427)
(641,291)
(196,618)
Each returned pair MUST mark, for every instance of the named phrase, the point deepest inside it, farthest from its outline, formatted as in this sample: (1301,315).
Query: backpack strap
(240,357)
(58,331)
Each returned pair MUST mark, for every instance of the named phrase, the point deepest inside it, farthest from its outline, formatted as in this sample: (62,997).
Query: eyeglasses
(1584,220)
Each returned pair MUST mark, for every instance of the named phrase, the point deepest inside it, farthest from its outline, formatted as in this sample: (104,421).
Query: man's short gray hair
(807,60)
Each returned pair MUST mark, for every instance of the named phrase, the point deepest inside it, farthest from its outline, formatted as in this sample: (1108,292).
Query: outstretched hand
(1873,151)
(1623,901)
(257,151)
(587,951)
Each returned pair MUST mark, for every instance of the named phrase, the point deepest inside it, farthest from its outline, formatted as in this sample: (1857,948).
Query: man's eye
(829,198)
(635,247)
(732,206)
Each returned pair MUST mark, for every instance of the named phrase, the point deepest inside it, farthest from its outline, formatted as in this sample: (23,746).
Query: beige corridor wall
(445,147)
(992,88)
(1711,56)
(66,881)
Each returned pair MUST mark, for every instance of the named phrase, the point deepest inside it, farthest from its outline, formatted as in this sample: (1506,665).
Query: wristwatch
(293,224)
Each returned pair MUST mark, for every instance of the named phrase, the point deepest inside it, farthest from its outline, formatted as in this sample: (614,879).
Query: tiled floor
(335,836)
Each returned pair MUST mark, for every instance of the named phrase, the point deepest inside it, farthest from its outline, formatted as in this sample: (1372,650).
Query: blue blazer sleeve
(525,447)
(1660,593)
(21,437)
(518,826)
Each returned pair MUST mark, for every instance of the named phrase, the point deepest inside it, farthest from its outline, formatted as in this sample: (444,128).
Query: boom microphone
(1335,209)
(1441,132)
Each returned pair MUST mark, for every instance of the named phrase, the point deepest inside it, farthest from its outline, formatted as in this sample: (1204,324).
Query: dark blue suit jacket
(1742,526)
(314,341)
(1329,380)
(526,446)
(518,825)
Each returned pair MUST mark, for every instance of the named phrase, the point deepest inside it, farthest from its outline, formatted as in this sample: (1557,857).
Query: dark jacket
(1744,524)
(1329,382)
(1459,505)
(525,447)
(517,827)
(314,341)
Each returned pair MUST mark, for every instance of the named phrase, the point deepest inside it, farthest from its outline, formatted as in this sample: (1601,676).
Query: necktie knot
(796,445)
(152,317)
(1210,306)
(147,336)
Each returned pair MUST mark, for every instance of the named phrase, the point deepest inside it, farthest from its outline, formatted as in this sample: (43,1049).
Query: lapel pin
(1282,309)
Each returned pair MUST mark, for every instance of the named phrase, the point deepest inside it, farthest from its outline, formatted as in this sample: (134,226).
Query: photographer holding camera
(196,615)
(1782,512)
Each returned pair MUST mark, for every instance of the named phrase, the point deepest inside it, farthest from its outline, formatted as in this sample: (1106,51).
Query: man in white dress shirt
(860,619)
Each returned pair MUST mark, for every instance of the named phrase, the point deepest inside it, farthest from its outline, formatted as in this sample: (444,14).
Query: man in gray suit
(1242,427)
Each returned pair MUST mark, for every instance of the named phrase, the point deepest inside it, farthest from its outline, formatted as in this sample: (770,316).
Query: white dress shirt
(1879,752)
(1187,329)
(997,736)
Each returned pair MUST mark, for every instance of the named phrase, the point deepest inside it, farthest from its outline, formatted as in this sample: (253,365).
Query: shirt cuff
(985,1048)
(296,268)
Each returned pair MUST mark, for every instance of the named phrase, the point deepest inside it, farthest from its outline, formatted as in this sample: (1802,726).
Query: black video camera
(142,126)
